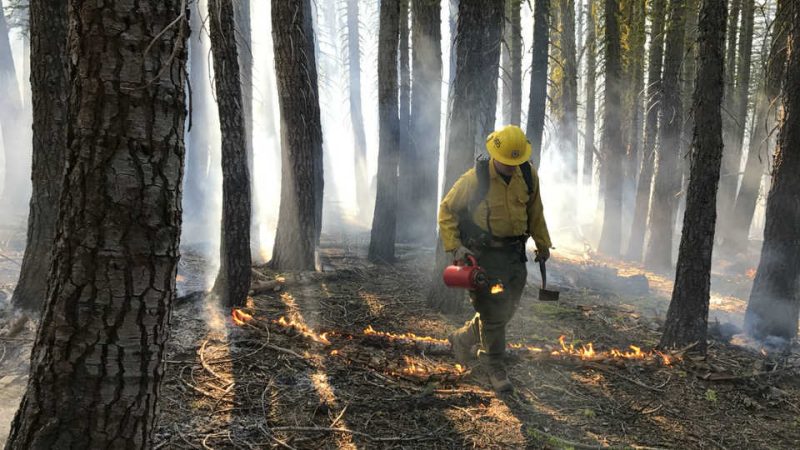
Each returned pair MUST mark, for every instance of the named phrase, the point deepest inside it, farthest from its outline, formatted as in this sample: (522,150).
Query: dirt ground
(316,379)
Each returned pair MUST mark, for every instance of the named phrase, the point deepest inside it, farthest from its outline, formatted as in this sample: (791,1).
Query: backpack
(482,172)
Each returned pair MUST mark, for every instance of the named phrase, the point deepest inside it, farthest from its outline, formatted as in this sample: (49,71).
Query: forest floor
(329,361)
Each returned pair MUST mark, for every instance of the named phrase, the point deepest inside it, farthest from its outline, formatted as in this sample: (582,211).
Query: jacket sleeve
(455,201)
(536,223)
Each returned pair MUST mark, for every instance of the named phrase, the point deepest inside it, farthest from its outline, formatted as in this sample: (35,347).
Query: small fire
(497,289)
(180,278)
(240,318)
(587,352)
(751,273)
(304,330)
(369,331)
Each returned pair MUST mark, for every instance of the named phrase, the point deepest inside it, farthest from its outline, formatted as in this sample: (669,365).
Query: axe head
(546,295)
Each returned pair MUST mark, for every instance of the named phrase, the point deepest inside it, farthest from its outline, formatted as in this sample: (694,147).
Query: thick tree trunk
(300,217)
(613,153)
(356,116)
(472,112)
(49,89)
(654,64)
(426,105)
(16,185)
(634,85)
(98,356)
(538,92)
(512,63)
(233,279)
(687,317)
(568,124)
(384,220)
(774,303)
(408,160)
(759,141)
(591,91)
(244,49)
(668,177)
(197,190)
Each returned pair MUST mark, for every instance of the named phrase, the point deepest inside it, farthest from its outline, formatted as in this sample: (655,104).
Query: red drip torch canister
(466,275)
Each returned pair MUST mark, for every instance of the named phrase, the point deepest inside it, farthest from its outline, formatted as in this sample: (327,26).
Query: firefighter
(490,212)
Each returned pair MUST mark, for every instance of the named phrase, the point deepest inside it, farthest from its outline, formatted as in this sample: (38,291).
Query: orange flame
(751,273)
(587,352)
(497,289)
(369,331)
(240,318)
(304,330)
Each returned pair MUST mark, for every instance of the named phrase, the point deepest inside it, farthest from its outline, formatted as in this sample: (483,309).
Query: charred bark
(300,217)
(426,94)
(233,279)
(667,184)
(472,112)
(613,152)
(384,221)
(687,317)
(538,92)
(49,89)
(654,64)
(589,148)
(98,355)
(774,304)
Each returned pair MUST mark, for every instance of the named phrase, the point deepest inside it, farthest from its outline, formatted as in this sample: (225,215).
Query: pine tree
(538,92)
(98,356)
(591,89)
(687,316)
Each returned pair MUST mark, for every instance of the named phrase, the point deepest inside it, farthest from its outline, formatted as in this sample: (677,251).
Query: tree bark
(591,91)
(667,183)
(764,122)
(472,112)
(98,355)
(687,316)
(49,89)
(382,237)
(300,216)
(538,92)
(654,63)
(611,235)
(16,186)
(408,161)
(233,279)
(512,63)
(774,304)
(568,124)
(634,85)
(426,105)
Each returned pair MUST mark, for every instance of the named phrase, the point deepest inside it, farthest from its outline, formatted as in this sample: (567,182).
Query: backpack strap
(527,174)
(482,173)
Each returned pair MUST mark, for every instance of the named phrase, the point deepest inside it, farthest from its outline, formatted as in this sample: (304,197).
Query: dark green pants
(494,311)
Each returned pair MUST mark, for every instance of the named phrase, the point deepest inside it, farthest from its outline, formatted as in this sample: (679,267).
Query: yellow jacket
(512,212)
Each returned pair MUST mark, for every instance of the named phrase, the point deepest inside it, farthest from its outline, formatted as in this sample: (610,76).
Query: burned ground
(316,379)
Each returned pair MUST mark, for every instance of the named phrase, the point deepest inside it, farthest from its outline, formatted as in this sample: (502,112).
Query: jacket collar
(493,172)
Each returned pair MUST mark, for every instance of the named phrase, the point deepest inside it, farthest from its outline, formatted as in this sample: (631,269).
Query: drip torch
(465,274)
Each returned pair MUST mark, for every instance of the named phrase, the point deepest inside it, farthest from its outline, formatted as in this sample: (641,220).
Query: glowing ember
(240,318)
(497,289)
(751,273)
(180,278)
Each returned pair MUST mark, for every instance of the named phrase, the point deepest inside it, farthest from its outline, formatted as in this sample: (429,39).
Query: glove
(461,253)
(542,255)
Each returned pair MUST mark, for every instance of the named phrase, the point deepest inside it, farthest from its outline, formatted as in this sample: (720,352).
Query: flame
(497,288)
(587,352)
(240,318)
(751,273)
(304,330)
(179,278)
(369,331)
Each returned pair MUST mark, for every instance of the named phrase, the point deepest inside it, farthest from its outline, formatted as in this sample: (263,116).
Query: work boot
(499,379)
(462,346)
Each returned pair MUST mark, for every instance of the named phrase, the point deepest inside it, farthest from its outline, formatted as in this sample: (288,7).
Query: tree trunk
(730,162)
(197,190)
(300,216)
(472,112)
(634,83)
(233,279)
(384,220)
(98,355)
(49,89)
(687,317)
(764,122)
(591,91)
(16,185)
(538,92)
(244,48)
(668,178)
(408,161)
(774,303)
(654,64)
(356,116)
(611,235)
(512,63)
(426,94)
(568,125)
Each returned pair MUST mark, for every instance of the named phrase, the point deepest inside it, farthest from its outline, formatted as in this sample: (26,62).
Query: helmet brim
(521,159)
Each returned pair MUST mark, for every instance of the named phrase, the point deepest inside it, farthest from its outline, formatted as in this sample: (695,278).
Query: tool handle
(468,259)
(543,270)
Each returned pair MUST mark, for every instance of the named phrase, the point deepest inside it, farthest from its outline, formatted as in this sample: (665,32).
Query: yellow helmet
(509,145)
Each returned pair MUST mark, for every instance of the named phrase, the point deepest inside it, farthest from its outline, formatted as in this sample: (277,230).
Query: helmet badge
(497,142)
(515,154)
